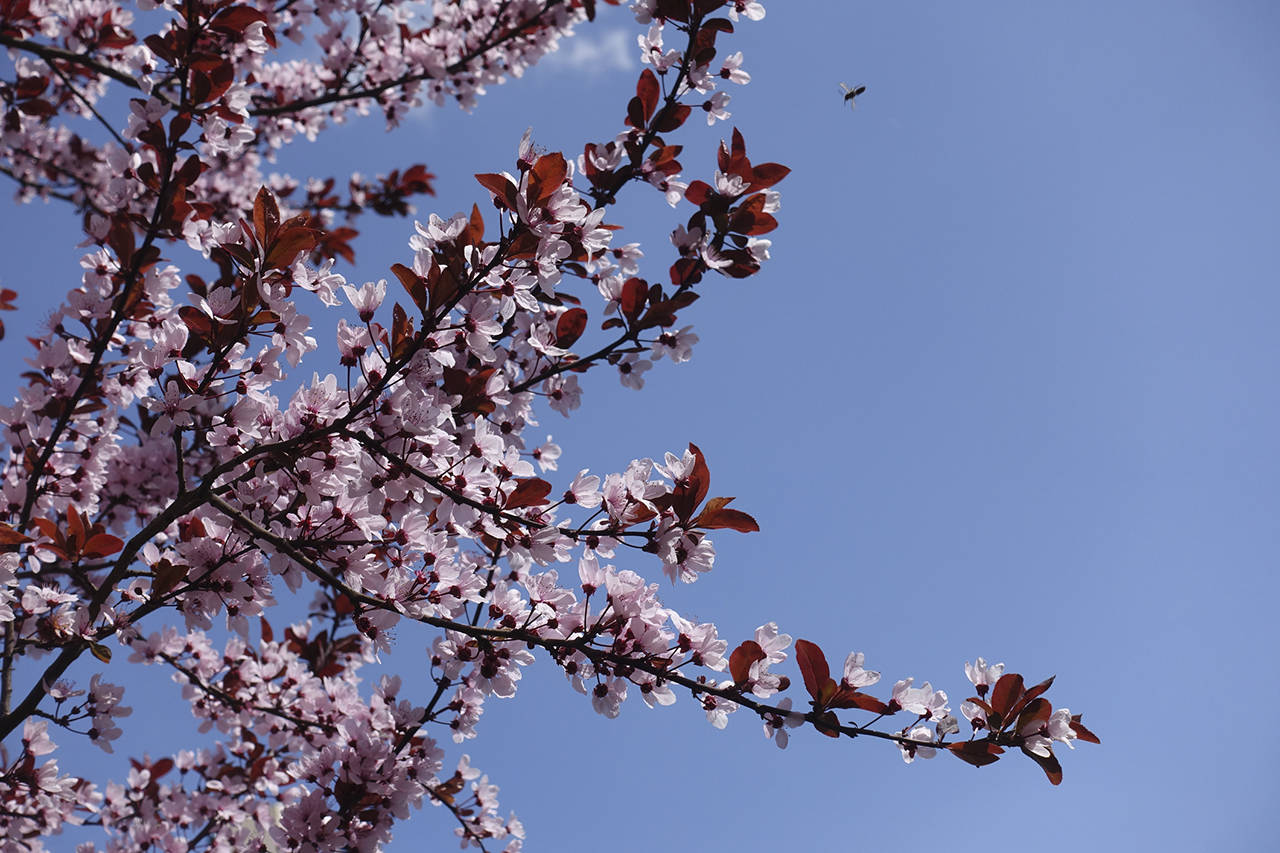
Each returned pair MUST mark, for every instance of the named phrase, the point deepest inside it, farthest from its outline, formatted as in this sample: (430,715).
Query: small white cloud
(595,50)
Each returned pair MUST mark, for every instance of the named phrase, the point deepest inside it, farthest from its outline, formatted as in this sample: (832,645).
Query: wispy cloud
(596,50)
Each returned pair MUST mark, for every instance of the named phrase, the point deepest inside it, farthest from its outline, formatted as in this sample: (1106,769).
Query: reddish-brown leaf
(236,19)
(979,753)
(742,658)
(647,92)
(414,284)
(813,666)
(546,176)
(635,114)
(675,10)
(1033,692)
(9,536)
(828,724)
(528,492)
(671,118)
(1081,732)
(401,332)
(733,519)
(75,525)
(167,575)
(38,107)
(1005,695)
(289,243)
(1048,763)
(198,323)
(266,216)
(631,301)
(102,545)
(1033,715)
(700,477)
(570,326)
(847,697)
(1030,694)
(473,234)
(698,192)
(500,188)
(767,174)
(686,271)
(47,526)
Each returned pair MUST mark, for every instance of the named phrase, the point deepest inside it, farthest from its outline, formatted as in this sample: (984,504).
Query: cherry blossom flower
(367,299)
(910,751)
(854,674)
(776,725)
(1040,737)
(715,107)
(584,490)
(923,700)
(982,676)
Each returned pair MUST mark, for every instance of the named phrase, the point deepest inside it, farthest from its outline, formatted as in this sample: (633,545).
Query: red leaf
(546,176)
(1033,716)
(413,283)
(9,536)
(671,118)
(266,215)
(718,519)
(1081,732)
(528,492)
(75,525)
(30,86)
(289,244)
(767,174)
(742,658)
(236,19)
(686,271)
(102,545)
(47,526)
(635,114)
(500,188)
(570,326)
(700,478)
(647,91)
(1048,763)
(847,697)
(828,724)
(166,576)
(473,234)
(979,753)
(813,666)
(698,192)
(401,332)
(675,10)
(634,291)
(1031,694)
(38,107)
(1007,692)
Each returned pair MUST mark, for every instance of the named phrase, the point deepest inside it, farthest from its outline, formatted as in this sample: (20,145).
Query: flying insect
(852,92)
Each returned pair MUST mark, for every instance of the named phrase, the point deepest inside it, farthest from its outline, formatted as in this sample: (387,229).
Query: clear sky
(1006,389)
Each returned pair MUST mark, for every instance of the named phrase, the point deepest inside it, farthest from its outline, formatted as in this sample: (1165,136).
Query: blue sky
(1006,389)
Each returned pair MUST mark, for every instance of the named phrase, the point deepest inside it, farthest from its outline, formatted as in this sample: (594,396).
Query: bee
(851,93)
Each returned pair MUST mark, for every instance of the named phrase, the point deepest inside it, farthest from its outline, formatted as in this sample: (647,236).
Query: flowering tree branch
(160,481)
